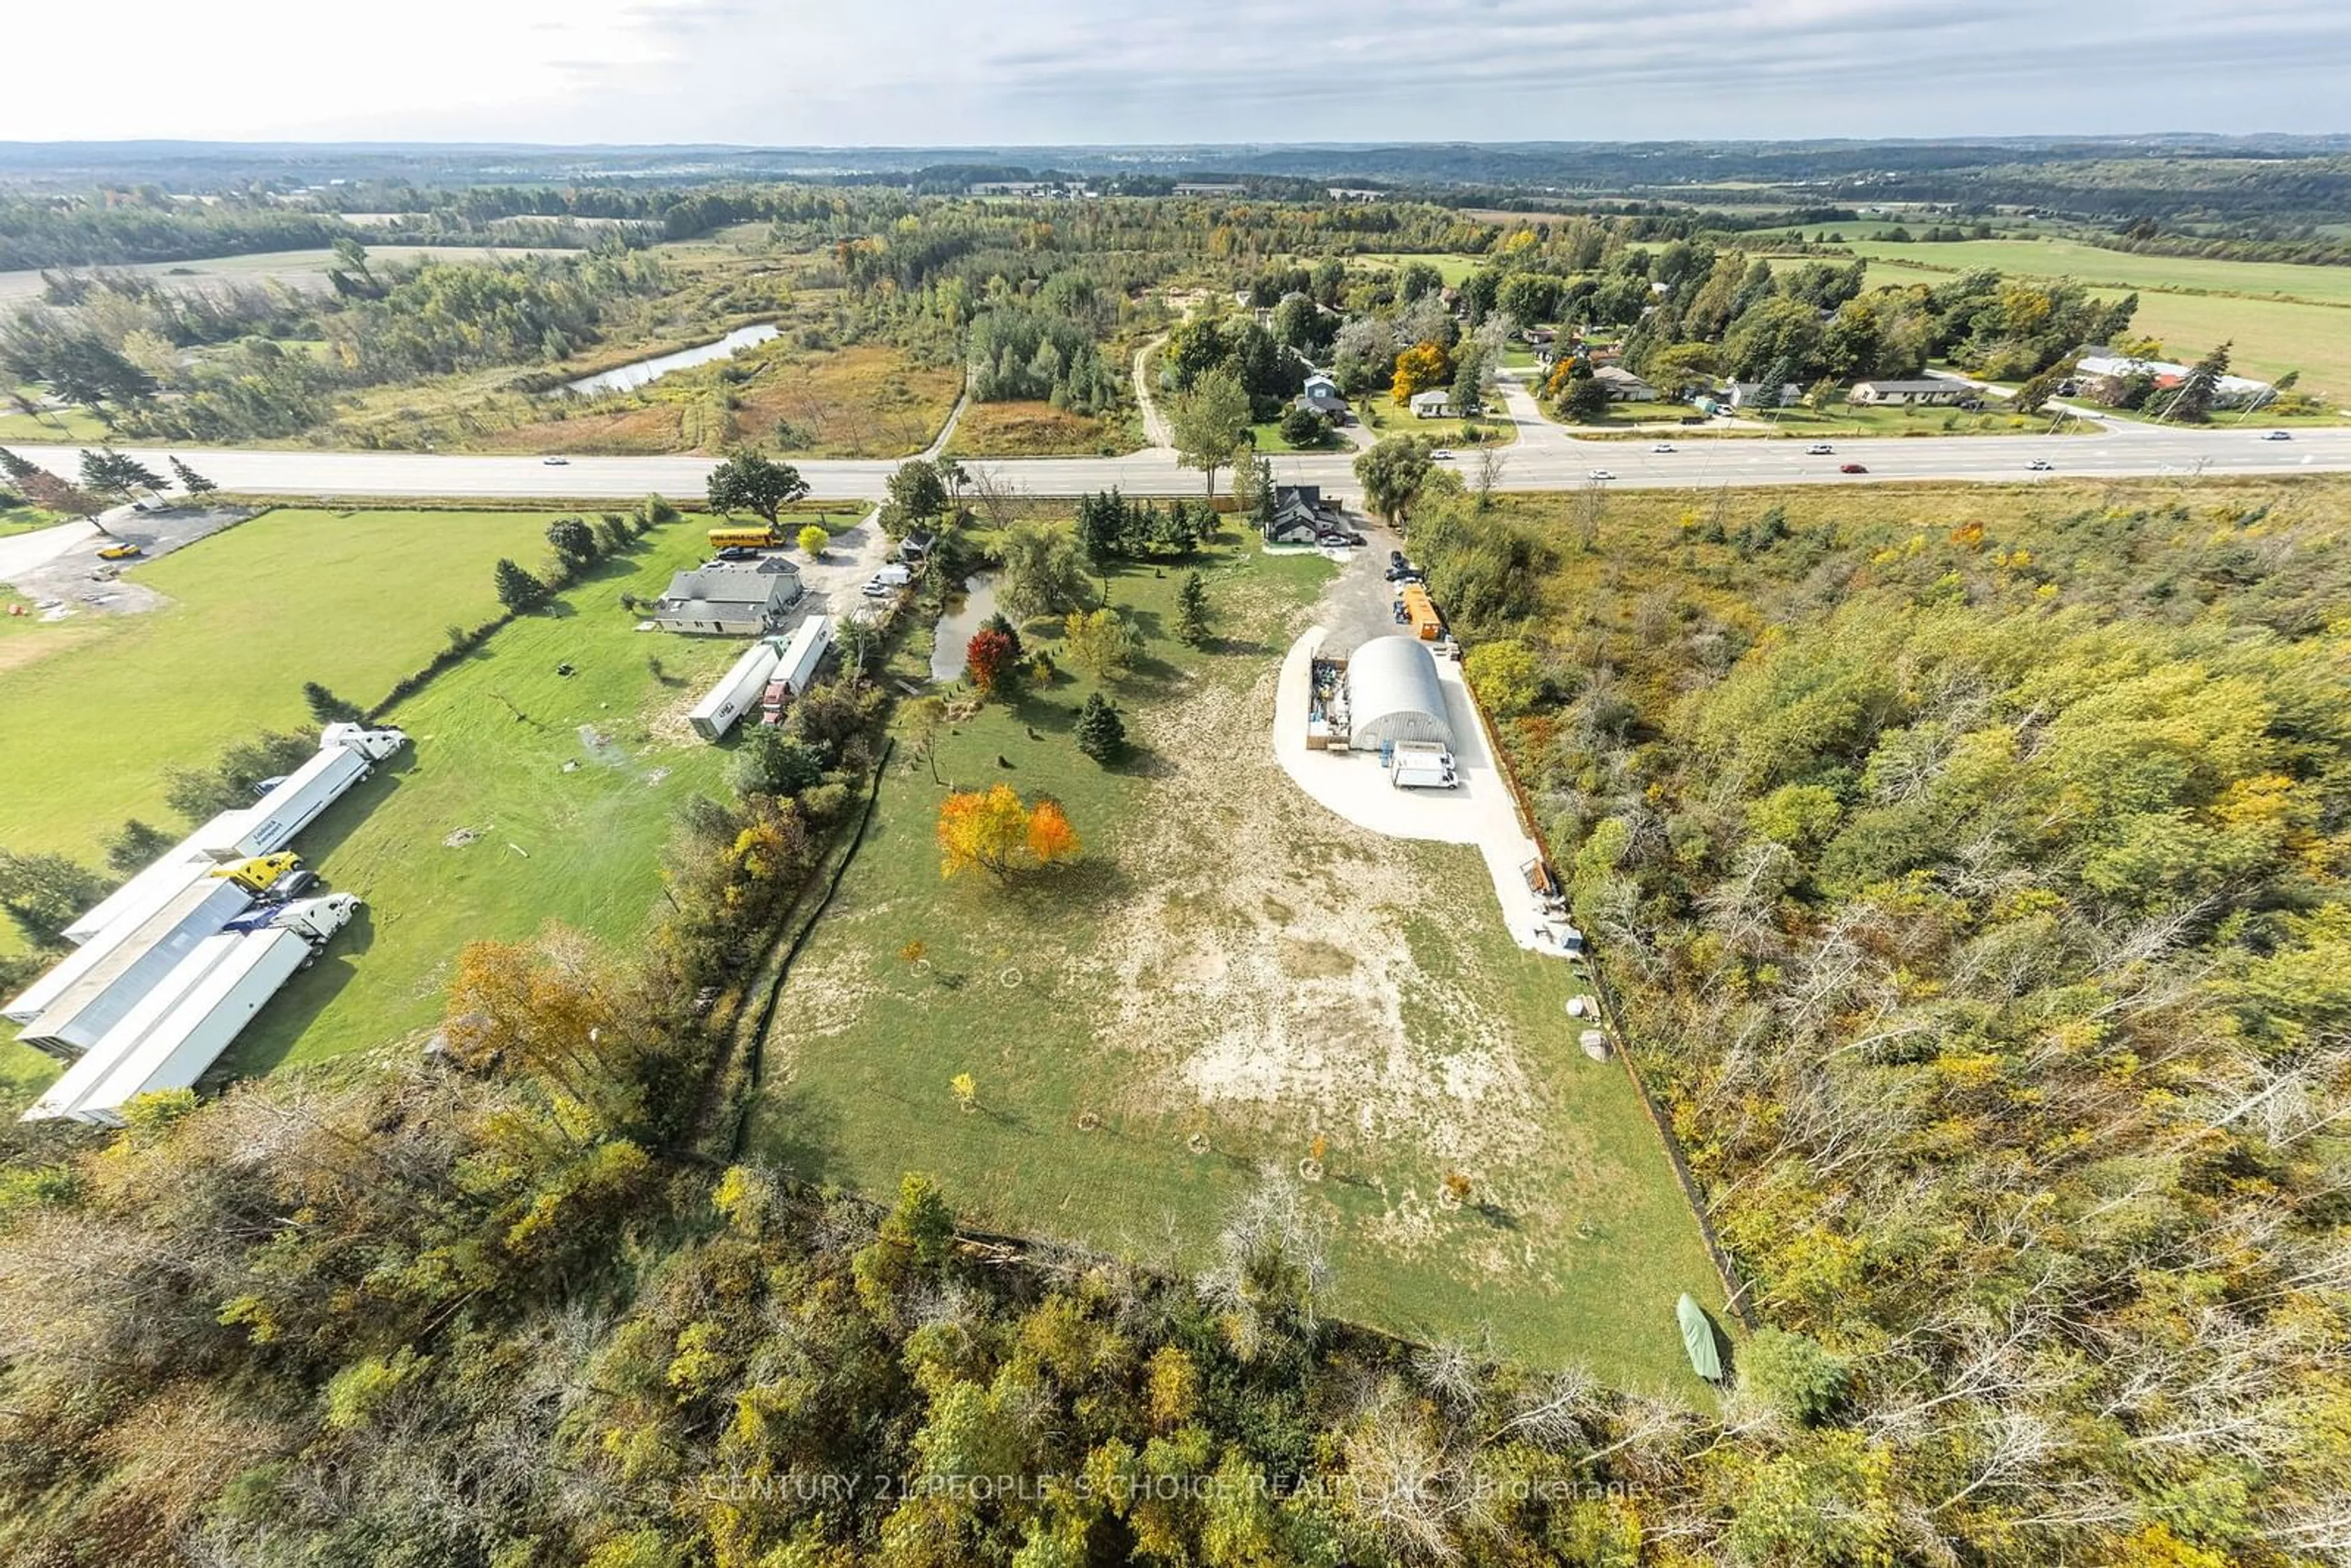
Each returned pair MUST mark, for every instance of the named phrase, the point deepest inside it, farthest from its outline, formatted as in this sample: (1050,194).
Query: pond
(966,611)
(639,373)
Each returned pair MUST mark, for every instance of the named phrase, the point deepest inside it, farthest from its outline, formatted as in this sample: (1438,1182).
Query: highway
(1544,458)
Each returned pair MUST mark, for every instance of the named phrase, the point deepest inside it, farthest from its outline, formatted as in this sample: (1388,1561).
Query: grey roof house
(746,599)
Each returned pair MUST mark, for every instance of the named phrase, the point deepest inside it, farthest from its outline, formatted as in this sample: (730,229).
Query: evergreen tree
(1192,610)
(134,846)
(17,467)
(1101,734)
(195,483)
(2193,401)
(519,590)
(327,707)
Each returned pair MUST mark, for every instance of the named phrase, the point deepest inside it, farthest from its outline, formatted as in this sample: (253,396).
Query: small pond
(639,373)
(975,605)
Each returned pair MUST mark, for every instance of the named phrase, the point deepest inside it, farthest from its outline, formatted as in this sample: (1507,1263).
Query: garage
(1392,694)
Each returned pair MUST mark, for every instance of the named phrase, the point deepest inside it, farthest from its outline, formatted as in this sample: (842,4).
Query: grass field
(1023,429)
(571,801)
(2090,264)
(1453,269)
(21,519)
(1230,972)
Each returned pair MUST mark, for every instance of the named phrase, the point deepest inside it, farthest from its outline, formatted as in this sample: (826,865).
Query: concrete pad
(1480,811)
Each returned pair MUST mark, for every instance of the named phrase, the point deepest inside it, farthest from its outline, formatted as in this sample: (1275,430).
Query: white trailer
(119,972)
(190,1038)
(1422,765)
(375,745)
(803,653)
(270,823)
(180,869)
(737,690)
(67,1095)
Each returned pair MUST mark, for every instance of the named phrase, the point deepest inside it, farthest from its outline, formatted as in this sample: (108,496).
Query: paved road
(1544,458)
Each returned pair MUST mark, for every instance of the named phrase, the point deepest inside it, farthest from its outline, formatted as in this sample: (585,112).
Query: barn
(1392,694)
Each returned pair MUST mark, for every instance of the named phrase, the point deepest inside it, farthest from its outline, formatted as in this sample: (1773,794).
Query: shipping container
(189,1039)
(803,651)
(180,869)
(101,991)
(737,690)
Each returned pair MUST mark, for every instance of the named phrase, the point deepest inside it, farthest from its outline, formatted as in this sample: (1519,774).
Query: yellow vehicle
(122,551)
(761,537)
(255,874)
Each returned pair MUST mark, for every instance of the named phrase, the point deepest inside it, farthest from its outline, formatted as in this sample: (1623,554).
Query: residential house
(1623,385)
(1321,395)
(746,599)
(2101,377)
(1435,404)
(1919,393)
(1300,516)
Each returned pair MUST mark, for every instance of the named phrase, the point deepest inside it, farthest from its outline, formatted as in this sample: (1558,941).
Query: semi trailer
(737,690)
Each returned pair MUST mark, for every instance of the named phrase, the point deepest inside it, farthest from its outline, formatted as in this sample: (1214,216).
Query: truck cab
(255,876)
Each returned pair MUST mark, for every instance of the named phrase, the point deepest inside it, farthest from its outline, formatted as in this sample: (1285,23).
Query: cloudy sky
(898,72)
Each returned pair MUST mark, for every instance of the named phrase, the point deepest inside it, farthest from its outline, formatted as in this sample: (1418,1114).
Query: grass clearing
(2044,257)
(1452,268)
(570,784)
(1034,429)
(1229,964)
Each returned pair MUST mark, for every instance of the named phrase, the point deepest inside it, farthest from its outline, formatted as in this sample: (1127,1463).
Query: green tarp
(1698,1337)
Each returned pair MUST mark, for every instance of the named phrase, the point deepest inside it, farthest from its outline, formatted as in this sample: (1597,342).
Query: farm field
(566,785)
(2091,263)
(304,269)
(1228,973)
(1453,269)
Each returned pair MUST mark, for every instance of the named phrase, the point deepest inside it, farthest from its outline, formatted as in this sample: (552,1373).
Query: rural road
(1544,458)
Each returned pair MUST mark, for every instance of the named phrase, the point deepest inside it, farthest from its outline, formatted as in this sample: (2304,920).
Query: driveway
(1478,812)
(59,567)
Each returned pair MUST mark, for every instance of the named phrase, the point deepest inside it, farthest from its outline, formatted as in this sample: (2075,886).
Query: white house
(1748,394)
(2102,375)
(1922,394)
(1623,385)
(1434,403)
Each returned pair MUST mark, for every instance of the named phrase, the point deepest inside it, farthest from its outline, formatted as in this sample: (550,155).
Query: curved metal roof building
(1393,694)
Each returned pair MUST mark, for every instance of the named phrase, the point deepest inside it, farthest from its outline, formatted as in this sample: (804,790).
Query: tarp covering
(1698,1337)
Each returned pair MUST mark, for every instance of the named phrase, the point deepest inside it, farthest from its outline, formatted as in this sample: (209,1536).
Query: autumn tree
(993,830)
(1424,367)
(812,541)
(1100,642)
(924,718)
(989,660)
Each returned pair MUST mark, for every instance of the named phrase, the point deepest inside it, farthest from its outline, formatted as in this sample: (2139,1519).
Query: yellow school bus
(761,537)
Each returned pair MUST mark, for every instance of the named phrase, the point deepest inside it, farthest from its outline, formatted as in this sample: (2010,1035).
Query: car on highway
(122,550)
(555,462)
(1664,446)
(1851,469)
(1600,475)
(2279,435)
(1819,449)
(1442,454)
(2040,465)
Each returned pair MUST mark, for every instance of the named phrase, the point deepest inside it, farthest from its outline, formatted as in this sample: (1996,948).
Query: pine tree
(2193,401)
(1101,734)
(518,590)
(195,483)
(1192,610)
(327,707)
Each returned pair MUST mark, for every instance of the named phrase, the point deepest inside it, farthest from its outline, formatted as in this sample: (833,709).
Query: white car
(2279,435)
(1819,449)
(2040,465)
(1599,474)
(1442,454)
(1663,447)
(555,462)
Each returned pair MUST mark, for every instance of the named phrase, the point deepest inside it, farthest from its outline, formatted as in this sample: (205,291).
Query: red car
(1851,469)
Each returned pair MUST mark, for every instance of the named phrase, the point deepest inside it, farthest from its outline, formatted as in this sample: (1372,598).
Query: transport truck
(270,823)
(796,666)
(736,691)
(179,869)
(256,873)
(74,1085)
(375,745)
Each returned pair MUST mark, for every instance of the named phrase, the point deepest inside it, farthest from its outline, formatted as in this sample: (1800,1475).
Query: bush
(1795,1375)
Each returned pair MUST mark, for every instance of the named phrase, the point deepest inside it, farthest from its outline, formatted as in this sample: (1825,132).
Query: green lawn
(22,519)
(2071,259)
(1231,964)
(571,802)
(1453,268)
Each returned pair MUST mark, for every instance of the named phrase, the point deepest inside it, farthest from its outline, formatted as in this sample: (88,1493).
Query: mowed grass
(569,783)
(94,708)
(1089,1004)
(1452,268)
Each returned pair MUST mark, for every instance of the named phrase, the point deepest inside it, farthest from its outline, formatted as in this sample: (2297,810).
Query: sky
(949,72)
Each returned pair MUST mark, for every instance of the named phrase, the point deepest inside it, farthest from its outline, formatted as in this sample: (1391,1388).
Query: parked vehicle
(1396,557)
(1335,537)
(737,690)
(258,874)
(1422,765)
(299,882)
(737,539)
(888,580)
(123,551)
(1851,469)
(1403,574)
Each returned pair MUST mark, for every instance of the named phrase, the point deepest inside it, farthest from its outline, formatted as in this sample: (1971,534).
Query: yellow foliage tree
(1421,368)
(991,830)
(1051,840)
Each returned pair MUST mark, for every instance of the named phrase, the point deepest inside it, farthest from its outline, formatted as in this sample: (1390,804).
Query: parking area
(62,573)
(1353,784)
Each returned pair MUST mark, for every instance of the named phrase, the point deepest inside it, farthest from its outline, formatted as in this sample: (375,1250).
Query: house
(1538,336)
(1623,385)
(1748,394)
(1321,395)
(2103,376)
(1300,516)
(748,598)
(1434,403)
(917,545)
(1919,393)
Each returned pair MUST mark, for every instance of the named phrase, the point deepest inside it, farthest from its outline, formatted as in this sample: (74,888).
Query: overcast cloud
(885,72)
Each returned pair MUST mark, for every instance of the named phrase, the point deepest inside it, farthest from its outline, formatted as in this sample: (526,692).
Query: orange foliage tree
(992,830)
(1421,368)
